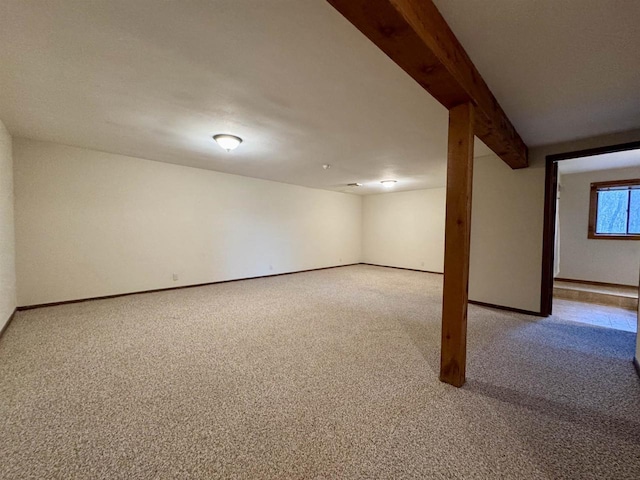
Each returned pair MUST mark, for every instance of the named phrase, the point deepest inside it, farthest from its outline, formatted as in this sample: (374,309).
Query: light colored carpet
(326,374)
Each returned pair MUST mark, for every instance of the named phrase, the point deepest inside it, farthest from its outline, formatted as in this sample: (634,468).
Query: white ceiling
(561,69)
(157,79)
(606,161)
(301,86)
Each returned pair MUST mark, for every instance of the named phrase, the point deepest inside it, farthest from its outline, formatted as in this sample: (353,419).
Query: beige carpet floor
(326,374)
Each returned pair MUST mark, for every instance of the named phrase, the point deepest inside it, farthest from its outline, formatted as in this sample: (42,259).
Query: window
(614,210)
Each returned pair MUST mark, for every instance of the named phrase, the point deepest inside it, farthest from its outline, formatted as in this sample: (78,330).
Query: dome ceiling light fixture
(226,141)
(388,183)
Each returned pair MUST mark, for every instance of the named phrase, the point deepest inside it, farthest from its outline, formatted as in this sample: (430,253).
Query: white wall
(404,229)
(507,224)
(90,224)
(506,233)
(7,245)
(582,258)
(506,246)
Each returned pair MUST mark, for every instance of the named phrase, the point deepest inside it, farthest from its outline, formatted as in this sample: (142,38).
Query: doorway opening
(591,247)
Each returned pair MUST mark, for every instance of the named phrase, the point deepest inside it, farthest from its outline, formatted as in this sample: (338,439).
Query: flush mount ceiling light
(388,183)
(228,142)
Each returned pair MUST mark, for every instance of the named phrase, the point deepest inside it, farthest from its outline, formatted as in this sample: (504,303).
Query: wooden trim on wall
(474,302)
(401,268)
(507,309)
(593,210)
(142,292)
(590,152)
(116,295)
(6,325)
(589,282)
(617,183)
(600,236)
(548,237)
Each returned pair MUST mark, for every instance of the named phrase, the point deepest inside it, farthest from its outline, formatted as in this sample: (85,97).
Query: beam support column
(457,244)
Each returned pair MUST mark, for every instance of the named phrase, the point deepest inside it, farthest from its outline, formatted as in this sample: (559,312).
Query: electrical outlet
(270,267)
(175,277)
(340,260)
(422,264)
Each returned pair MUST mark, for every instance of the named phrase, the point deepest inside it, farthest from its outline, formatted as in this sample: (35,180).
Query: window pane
(612,211)
(634,212)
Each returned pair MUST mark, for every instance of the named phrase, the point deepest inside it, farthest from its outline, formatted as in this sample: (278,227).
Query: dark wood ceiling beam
(414,35)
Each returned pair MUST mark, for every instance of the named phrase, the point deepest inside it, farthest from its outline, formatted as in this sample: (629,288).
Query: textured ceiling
(300,84)
(561,69)
(156,80)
